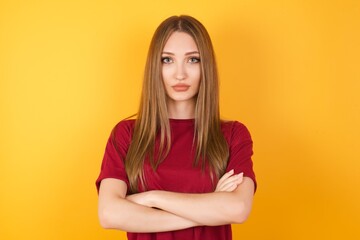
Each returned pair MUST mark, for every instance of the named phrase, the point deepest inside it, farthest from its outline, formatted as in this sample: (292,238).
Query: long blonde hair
(152,118)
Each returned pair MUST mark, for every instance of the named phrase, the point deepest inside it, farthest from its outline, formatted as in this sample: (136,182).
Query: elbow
(106,219)
(241,213)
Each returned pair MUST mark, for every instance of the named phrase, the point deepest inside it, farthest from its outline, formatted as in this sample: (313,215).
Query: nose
(180,72)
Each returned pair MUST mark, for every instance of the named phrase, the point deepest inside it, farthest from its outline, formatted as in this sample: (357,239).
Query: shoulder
(125,124)
(234,130)
(123,130)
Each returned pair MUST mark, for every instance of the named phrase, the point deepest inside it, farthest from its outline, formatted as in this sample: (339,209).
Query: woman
(177,171)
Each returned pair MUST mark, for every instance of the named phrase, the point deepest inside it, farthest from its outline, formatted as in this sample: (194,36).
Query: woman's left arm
(211,209)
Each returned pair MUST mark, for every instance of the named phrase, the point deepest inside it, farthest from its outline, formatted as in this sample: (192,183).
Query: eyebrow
(188,53)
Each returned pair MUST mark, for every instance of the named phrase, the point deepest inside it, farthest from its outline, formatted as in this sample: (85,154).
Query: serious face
(181,70)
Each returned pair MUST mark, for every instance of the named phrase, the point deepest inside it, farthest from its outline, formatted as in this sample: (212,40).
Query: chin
(181,98)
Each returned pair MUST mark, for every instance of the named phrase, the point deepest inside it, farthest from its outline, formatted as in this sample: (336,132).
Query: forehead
(180,42)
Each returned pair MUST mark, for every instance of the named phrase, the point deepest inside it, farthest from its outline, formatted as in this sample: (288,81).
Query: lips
(181,87)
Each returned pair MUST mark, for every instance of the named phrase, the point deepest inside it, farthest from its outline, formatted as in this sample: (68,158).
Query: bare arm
(211,209)
(115,212)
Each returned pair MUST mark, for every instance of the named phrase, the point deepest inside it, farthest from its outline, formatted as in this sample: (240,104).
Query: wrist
(153,198)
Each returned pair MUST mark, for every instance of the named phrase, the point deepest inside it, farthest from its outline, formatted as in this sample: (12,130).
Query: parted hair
(152,121)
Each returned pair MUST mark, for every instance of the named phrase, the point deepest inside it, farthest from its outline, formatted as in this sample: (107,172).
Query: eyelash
(167,60)
(194,59)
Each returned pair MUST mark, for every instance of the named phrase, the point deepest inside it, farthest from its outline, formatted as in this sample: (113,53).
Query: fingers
(229,188)
(229,182)
(225,176)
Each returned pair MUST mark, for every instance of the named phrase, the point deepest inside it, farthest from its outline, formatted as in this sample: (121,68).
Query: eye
(194,60)
(166,60)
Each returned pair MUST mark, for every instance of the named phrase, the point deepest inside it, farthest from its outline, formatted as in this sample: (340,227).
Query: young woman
(177,171)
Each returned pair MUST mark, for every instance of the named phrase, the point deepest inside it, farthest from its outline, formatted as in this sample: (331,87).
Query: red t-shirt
(177,172)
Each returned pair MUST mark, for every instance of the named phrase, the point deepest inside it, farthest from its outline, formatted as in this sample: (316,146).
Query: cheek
(196,74)
(166,73)
(166,79)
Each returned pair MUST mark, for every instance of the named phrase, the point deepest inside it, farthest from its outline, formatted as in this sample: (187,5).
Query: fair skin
(181,74)
(157,211)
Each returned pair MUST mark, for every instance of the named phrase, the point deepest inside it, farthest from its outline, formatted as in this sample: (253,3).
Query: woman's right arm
(116,212)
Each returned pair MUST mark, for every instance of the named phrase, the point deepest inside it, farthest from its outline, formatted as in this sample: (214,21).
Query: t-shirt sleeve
(113,163)
(241,151)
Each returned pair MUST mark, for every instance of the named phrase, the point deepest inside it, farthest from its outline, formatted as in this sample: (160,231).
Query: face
(181,68)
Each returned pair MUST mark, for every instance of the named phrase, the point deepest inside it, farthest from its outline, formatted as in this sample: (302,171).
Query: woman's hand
(143,198)
(229,182)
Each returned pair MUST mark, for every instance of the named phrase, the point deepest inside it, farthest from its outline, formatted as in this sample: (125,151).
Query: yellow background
(70,70)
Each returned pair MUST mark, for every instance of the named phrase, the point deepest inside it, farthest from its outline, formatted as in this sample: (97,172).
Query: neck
(181,109)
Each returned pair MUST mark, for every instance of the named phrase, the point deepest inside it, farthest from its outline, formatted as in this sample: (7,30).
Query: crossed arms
(158,211)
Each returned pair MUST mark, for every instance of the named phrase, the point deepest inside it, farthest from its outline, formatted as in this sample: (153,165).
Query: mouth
(181,87)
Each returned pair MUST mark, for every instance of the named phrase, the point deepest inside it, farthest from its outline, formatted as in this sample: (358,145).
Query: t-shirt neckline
(176,120)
